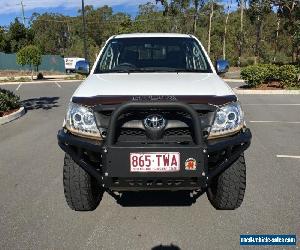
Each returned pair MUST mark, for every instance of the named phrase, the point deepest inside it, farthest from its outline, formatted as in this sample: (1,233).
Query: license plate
(155,162)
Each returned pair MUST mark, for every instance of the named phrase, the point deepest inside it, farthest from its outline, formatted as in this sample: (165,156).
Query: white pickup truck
(153,114)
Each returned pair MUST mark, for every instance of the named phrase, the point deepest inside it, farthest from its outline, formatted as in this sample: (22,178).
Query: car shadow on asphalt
(166,247)
(157,198)
(45,103)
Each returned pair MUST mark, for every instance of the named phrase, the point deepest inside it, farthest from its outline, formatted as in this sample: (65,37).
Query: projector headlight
(80,121)
(229,120)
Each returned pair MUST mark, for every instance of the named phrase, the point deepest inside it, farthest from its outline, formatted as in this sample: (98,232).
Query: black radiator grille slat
(132,132)
(168,132)
(180,133)
(177,132)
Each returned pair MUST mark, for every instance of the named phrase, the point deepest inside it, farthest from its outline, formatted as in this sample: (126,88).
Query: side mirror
(82,67)
(222,66)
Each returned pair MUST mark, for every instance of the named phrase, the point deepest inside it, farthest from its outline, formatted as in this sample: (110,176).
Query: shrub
(8,101)
(272,72)
(254,75)
(289,75)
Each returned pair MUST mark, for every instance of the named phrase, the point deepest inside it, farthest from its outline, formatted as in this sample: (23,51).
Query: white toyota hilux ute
(153,114)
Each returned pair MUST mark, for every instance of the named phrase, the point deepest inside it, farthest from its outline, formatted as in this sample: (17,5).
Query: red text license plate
(155,162)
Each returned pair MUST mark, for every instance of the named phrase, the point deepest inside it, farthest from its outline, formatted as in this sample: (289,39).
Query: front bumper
(109,166)
(108,161)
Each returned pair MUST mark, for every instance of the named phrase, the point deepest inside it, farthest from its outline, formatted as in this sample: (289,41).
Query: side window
(195,57)
(109,59)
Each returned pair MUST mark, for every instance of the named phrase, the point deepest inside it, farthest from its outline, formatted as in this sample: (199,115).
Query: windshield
(157,54)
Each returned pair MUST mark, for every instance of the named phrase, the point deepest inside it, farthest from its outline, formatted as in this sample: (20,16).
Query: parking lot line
(274,122)
(288,156)
(18,86)
(58,84)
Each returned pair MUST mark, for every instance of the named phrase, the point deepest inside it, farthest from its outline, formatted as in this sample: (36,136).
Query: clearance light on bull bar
(80,121)
(229,120)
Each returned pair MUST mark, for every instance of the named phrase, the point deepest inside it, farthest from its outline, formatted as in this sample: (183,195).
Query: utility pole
(23,12)
(84,30)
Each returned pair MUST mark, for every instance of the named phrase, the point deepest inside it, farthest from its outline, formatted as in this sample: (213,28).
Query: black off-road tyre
(82,191)
(227,190)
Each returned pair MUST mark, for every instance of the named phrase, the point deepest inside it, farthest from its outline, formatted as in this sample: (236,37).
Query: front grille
(132,132)
(177,132)
(130,126)
(168,132)
(170,135)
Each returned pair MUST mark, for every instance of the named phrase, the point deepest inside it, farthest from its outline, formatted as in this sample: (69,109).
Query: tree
(276,38)
(290,10)
(175,9)
(51,32)
(17,36)
(211,13)
(2,40)
(225,28)
(234,33)
(150,19)
(257,12)
(29,55)
(198,5)
(241,35)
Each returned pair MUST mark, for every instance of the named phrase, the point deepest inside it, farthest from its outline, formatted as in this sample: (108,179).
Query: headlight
(229,119)
(80,120)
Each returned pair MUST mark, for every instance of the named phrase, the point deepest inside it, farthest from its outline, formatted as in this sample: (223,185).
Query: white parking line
(274,122)
(288,156)
(58,84)
(18,86)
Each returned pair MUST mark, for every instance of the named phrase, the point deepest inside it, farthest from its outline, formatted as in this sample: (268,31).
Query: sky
(11,9)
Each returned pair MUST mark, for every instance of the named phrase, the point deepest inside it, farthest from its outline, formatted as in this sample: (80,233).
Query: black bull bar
(113,155)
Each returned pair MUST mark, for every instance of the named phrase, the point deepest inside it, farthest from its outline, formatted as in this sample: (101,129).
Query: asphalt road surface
(34,214)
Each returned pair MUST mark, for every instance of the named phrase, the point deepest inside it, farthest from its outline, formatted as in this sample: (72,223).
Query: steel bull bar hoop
(111,135)
(118,174)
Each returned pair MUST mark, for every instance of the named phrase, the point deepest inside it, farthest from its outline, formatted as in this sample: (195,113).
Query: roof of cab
(134,35)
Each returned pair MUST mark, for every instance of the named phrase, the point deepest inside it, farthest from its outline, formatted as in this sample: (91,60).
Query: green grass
(13,79)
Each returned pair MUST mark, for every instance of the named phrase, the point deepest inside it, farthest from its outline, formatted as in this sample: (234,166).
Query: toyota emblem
(155,122)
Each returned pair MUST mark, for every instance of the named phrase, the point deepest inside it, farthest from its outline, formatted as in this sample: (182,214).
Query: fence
(49,63)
